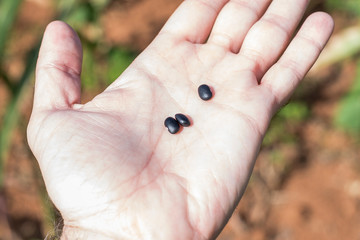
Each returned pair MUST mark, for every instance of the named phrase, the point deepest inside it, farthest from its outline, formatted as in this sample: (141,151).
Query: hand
(112,168)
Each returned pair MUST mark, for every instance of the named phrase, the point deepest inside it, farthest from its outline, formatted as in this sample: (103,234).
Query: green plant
(288,118)
(8,12)
(348,6)
(119,59)
(102,63)
(348,115)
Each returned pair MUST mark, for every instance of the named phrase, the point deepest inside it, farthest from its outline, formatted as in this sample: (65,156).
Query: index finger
(193,20)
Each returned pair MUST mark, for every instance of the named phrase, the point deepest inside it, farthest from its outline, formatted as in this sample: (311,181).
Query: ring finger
(234,21)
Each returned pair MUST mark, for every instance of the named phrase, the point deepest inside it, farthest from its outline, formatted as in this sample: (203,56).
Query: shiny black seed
(205,92)
(182,119)
(172,125)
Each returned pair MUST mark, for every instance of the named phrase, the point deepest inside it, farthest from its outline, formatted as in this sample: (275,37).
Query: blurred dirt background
(306,182)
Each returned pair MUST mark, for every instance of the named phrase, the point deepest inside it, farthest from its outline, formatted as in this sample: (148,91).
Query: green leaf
(88,76)
(350,6)
(80,16)
(294,111)
(99,5)
(119,60)
(291,115)
(12,114)
(8,12)
(348,115)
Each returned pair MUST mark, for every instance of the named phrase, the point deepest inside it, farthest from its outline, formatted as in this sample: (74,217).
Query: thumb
(58,68)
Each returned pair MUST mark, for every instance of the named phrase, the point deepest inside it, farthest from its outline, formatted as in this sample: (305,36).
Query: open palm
(112,168)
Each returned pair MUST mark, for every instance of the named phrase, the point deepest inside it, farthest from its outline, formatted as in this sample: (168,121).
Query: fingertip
(60,37)
(56,25)
(61,27)
(321,21)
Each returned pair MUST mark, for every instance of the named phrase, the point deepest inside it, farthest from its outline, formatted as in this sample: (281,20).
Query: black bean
(172,125)
(182,119)
(205,92)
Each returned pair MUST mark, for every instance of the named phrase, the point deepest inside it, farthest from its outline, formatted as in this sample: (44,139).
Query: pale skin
(112,168)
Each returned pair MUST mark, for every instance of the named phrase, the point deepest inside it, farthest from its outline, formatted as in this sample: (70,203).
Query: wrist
(74,233)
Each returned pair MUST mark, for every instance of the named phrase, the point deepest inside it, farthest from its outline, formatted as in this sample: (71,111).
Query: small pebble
(172,125)
(182,119)
(205,92)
